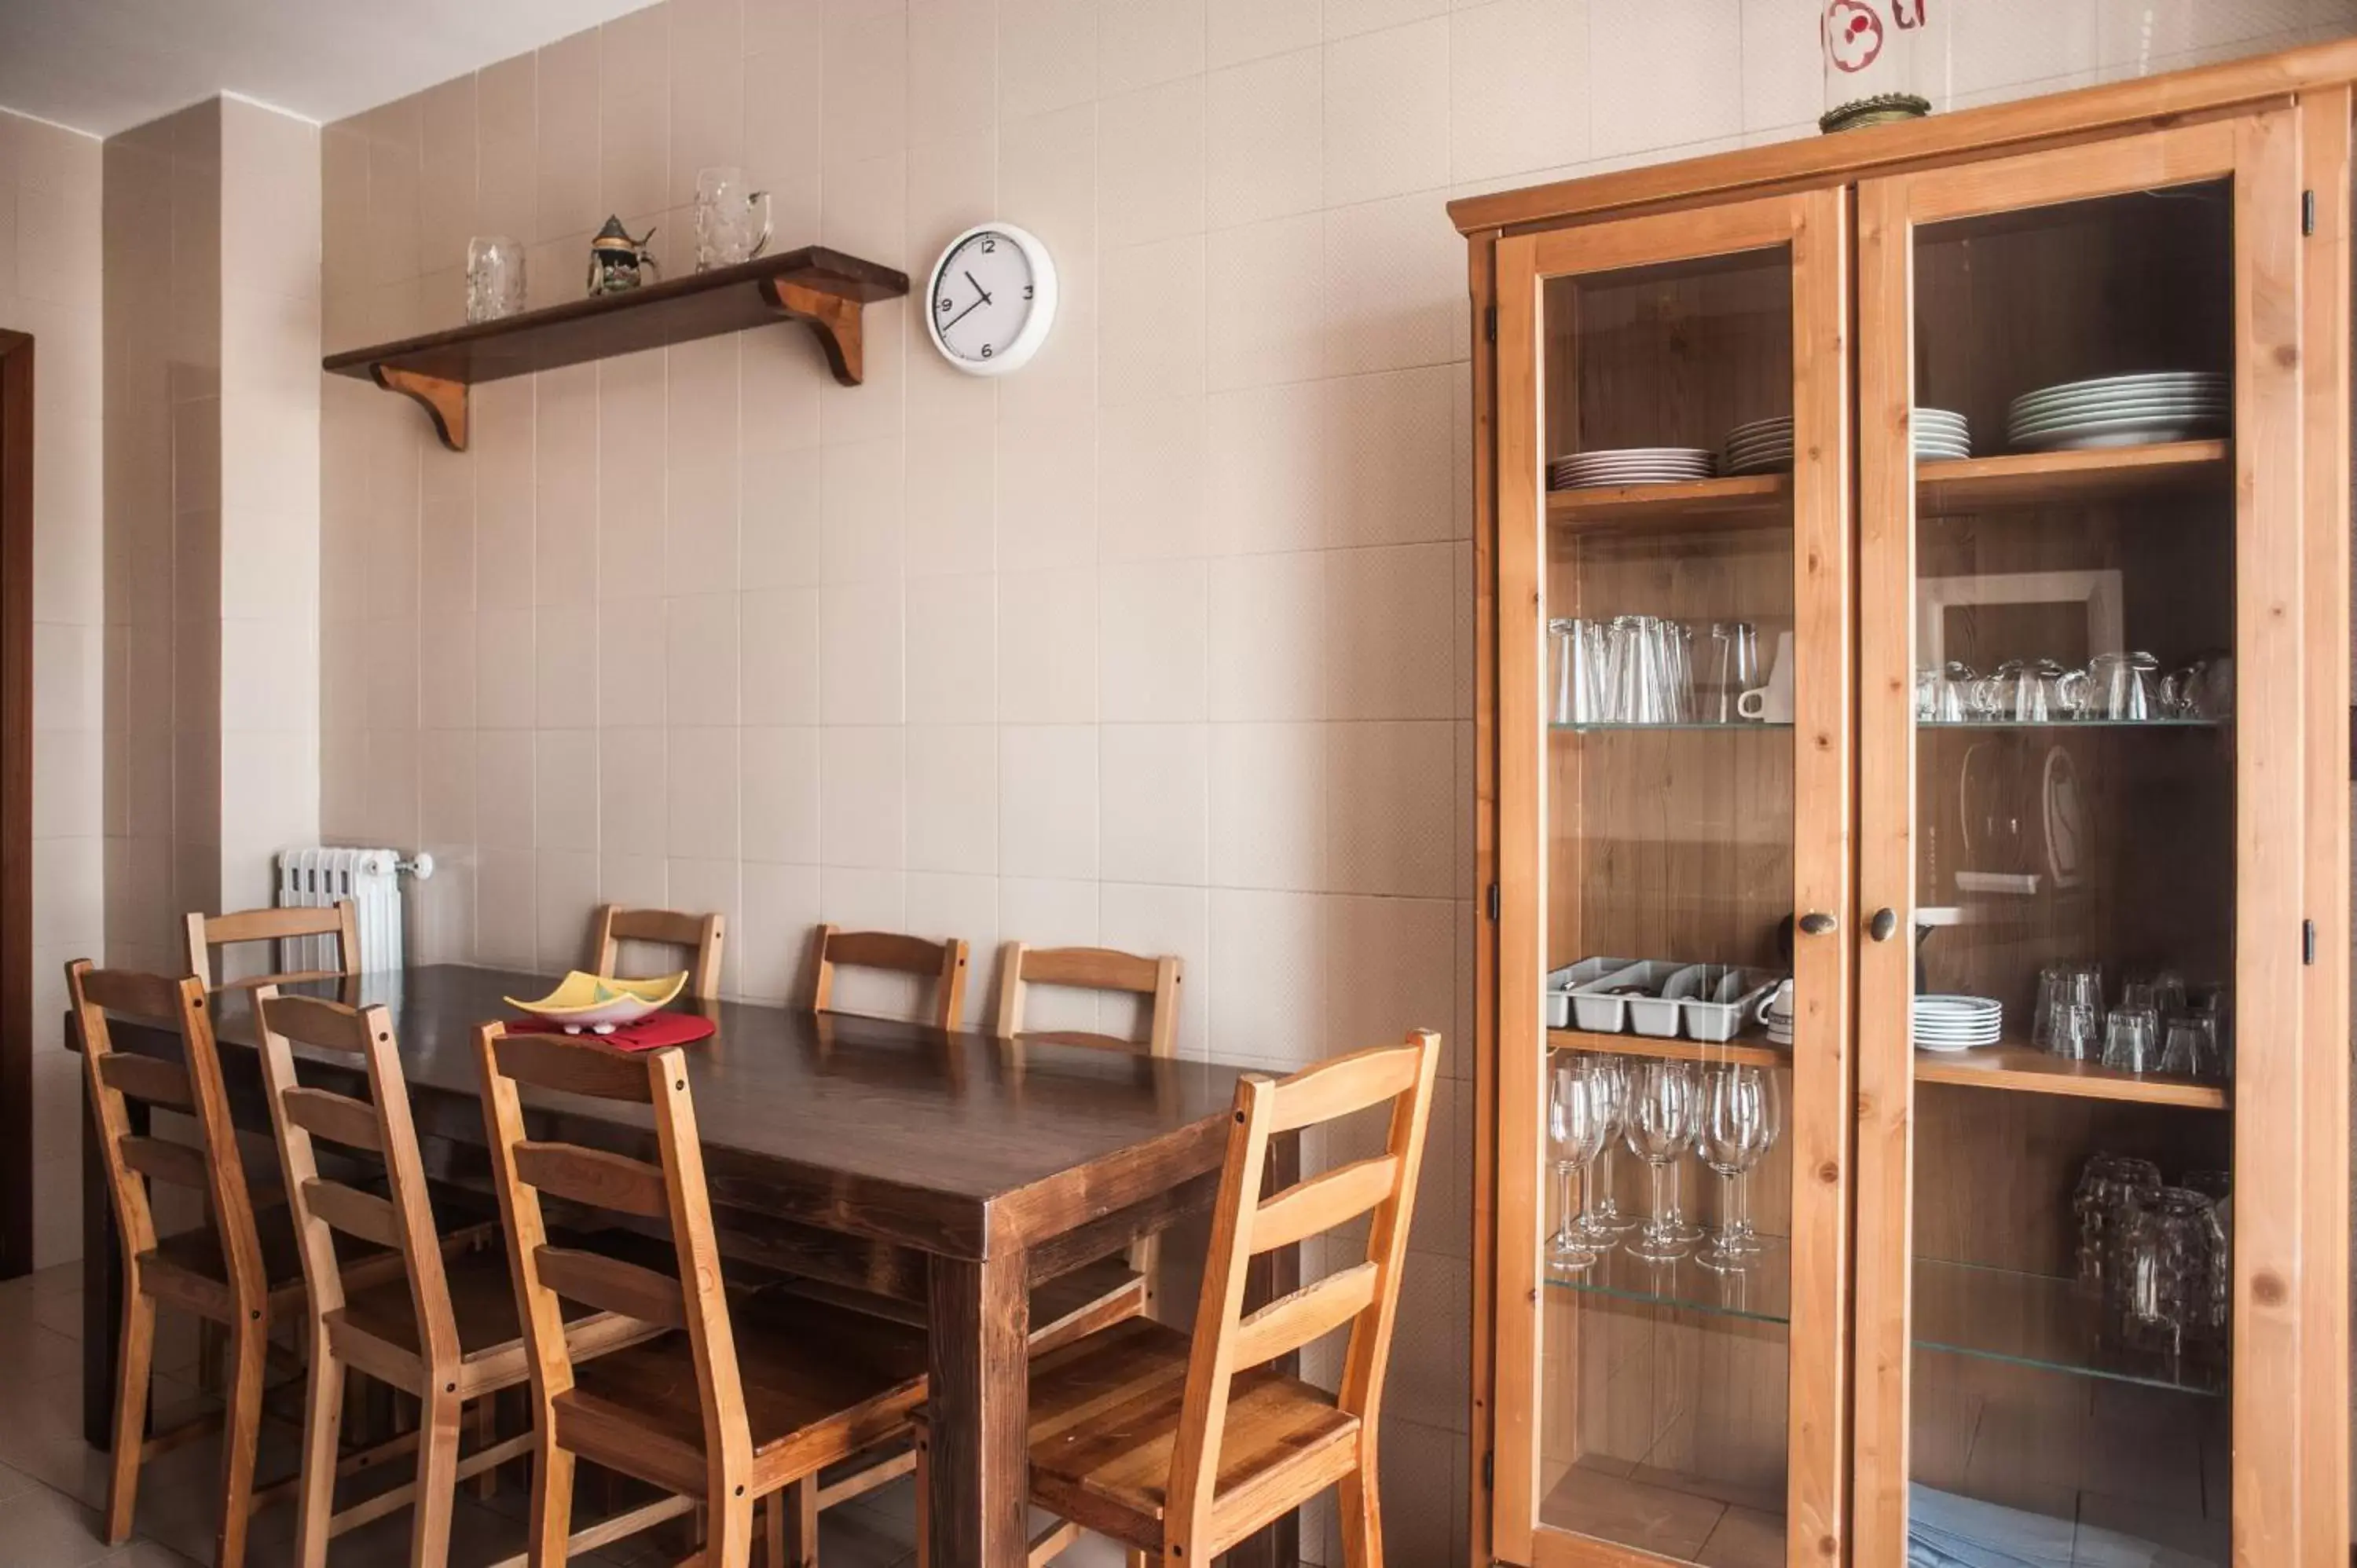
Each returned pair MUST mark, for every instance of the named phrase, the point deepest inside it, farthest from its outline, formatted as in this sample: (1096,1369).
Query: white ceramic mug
(1772,703)
(1779,999)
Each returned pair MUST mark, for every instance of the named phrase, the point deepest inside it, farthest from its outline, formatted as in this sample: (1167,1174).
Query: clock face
(990,301)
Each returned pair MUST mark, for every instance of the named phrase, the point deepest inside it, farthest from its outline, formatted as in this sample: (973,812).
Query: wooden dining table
(950,1173)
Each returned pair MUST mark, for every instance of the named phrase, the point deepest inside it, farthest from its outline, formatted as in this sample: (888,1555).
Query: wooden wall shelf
(1763,501)
(824,289)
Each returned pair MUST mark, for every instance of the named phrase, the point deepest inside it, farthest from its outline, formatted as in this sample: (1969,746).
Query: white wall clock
(993,299)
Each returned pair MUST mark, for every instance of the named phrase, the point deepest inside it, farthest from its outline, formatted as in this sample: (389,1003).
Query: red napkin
(651,1033)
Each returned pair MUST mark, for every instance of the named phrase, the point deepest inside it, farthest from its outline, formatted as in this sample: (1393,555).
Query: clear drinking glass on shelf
(495,282)
(1578,1112)
(2132,1039)
(1663,1114)
(2074,1031)
(732,221)
(2189,1044)
(1602,1223)
(1740,1123)
(2173,1276)
(2106,1184)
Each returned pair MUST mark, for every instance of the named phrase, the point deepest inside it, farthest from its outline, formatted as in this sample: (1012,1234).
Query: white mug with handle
(1771,703)
(1778,1000)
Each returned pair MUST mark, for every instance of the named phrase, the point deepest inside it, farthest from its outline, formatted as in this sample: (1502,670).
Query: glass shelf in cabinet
(2071,724)
(1963,1309)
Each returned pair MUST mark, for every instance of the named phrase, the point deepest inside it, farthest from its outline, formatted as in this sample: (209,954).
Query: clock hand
(978,288)
(962,314)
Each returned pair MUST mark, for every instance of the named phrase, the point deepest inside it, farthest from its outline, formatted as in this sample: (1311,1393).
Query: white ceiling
(103,65)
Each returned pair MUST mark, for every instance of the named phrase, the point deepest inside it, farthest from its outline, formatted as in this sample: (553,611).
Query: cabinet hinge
(2308,213)
(1492,901)
(1490,1471)
(2307,942)
(1490,323)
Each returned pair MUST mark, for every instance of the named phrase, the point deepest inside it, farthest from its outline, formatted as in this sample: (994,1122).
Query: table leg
(979,1406)
(1269,1275)
(101,1278)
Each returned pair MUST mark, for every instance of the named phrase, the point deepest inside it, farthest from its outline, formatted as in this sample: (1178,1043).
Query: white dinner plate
(2113,404)
(2122,433)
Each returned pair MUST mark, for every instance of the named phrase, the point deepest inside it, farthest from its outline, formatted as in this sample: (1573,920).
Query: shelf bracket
(445,401)
(834,318)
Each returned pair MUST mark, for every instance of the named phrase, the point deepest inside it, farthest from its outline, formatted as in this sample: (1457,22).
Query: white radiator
(370,878)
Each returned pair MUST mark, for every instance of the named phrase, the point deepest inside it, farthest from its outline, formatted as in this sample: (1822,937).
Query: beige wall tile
(568,194)
(1387,113)
(780,906)
(1249,29)
(952,74)
(701,659)
(1150,168)
(1268,805)
(1047,801)
(634,113)
(1155,820)
(1268,973)
(1395,290)
(778,662)
(952,799)
(707,89)
(1140,42)
(1389,445)
(1635,103)
(1151,459)
(1267,646)
(1152,622)
(1508,111)
(778,769)
(1266,300)
(1047,54)
(953,649)
(1263,138)
(1391,821)
(1151,322)
(861,649)
(564,789)
(863,792)
(703,795)
(1047,646)
(866,86)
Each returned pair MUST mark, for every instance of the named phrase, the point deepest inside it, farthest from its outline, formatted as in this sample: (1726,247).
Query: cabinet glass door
(1675,715)
(2078,1019)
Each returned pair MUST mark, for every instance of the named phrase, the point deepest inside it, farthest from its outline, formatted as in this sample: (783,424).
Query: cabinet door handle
(1818,923)
(1884,925)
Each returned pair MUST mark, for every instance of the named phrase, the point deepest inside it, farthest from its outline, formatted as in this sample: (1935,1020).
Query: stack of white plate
(1762,446)
(1630,465)
(2122,411)
(1957,1023)
(1940,434)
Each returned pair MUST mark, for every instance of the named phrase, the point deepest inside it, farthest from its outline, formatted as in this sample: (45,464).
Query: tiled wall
(163,532)
(1162,642)
(50,287)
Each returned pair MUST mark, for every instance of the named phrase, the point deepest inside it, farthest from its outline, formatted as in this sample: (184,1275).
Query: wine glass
(1602,1223)
(1663,1117)
(1579,1112)
(1739,1127)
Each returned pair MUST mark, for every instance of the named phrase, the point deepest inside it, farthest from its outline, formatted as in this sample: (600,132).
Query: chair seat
(1104,1416)
(821,1383)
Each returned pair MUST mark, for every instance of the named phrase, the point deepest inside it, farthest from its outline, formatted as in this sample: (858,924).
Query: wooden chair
(239,1272)
(443,1329)
(209,931)
(740,1399)
(700,935)
(943,962)
(1180,1447)
(1098,969)
(1091,969)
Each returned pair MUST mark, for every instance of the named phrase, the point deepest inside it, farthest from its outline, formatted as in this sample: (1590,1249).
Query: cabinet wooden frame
(1812,230)
(2280,129)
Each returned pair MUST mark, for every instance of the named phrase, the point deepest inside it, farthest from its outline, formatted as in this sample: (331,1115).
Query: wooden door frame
(1813,227)
(15,803)
(2259,152)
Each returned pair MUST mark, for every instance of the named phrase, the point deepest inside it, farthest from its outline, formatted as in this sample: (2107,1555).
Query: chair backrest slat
(944,962)
(1323,1202)
(700,935)
(1364,1295)
(182,1164)
(612,1284)
(695,1300)
(340,921)
(355,1213)
(595,1177)
(131,1160)
(149,1079)
(402,1219)
(338,1118)
(1091,969)
(1292,1321)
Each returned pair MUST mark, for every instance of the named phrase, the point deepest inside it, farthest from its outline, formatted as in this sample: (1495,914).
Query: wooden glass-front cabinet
(1916,791)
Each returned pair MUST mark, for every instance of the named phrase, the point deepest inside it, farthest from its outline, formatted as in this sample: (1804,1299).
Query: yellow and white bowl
(597,1005)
